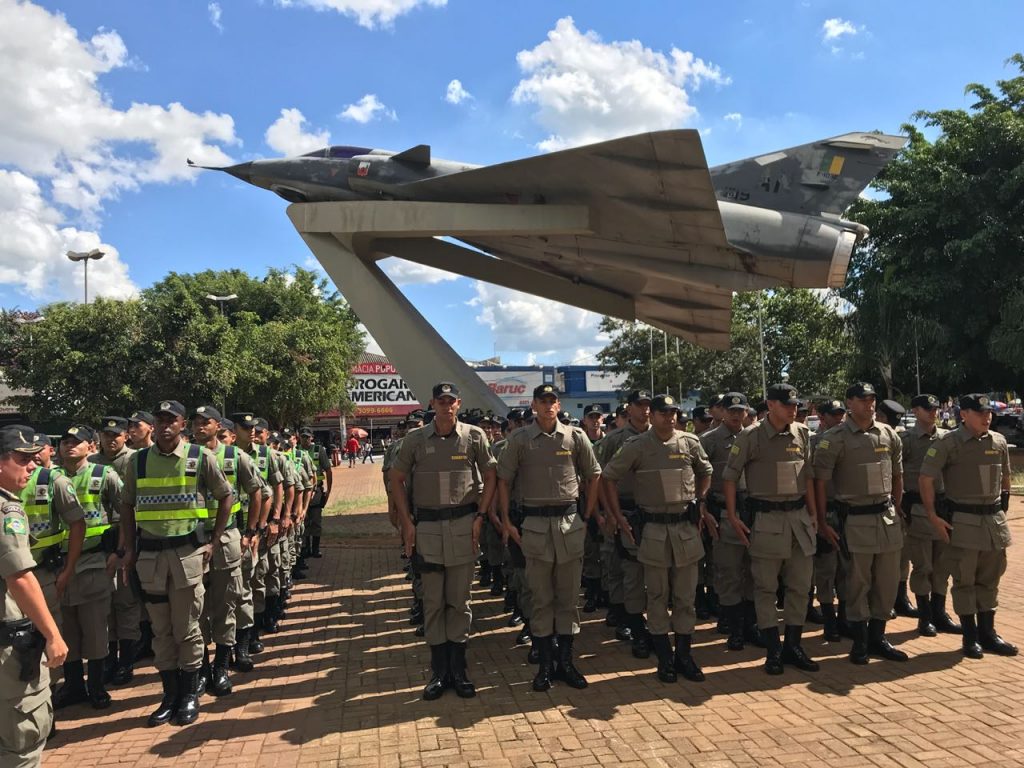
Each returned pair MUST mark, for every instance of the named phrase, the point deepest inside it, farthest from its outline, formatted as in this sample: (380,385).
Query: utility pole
(760,328)
(220,301)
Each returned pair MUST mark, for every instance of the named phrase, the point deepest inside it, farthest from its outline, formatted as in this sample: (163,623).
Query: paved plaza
(340,686)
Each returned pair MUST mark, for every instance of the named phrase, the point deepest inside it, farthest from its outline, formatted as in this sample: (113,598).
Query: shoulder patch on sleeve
(932,451)
(14,523)
(735,449)
(824,444)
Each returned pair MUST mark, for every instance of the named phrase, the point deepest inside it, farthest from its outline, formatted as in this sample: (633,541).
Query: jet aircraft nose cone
(241,171)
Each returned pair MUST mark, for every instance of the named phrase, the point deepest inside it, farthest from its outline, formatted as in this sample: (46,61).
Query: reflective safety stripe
(48,541)
(227,460)
(37,501)
(174,497)
(88,485)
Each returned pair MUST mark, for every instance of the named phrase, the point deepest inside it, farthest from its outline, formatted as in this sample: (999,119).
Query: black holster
(28,644)
(52,559)
(420,566)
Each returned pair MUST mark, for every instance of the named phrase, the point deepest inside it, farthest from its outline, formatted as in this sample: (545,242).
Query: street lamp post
(86,257)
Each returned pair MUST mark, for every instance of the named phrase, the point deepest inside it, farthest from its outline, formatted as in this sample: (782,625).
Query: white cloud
(371,343)
(367,13)
(288,135)
(404,272)
(734,117)
(366,109)
(456,94)
(835,28)
(215,13)
(33,247)
(587,90)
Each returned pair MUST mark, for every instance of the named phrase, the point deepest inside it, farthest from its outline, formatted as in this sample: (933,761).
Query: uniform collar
(431,432)
(916,431)
(534,430)
(178,451)
(852,426)
(770,431)
(965,435)
(4,493)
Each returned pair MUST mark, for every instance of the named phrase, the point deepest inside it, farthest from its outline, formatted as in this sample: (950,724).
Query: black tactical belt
(975,509)
(866,509)
(170,542)
(51,558)
(554,510)
(9,629)
(761,505)
(445,513)
(665,518)
(625,503)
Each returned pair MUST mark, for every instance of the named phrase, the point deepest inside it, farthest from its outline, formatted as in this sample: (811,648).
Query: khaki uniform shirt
(776,464)
(862,465)
(15,558)
(916,443)
(605,448)
(119,462)
(972,469)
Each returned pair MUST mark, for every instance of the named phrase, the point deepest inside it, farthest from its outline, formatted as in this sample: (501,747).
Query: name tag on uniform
(263,463)
(677,455)
(991,453)
(191,465)
(42,493)
(793,449)
(429,449)
(229,465)
(94,483)
(563,453)
(458,457)
(881,449)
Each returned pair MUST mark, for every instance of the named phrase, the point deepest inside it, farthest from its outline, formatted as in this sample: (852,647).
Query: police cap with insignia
(620,411)
(227,424)
(832,408)
(41,439)
(665,403)
(928,402)
(79,432)
(976,402)
(516,414)
(716,401)
(783,393)
(306,432)
(172,407)
(287,432)
(594,409)
(260,424)
(402,424)
(141,417)
(734,400)
(545,390)
(275,437)
(19,438)
(113,424)
(445,389)
(700,413)
(206,412)
(860,389)
(638,396)
(244,419)
(564,416)
(892,410)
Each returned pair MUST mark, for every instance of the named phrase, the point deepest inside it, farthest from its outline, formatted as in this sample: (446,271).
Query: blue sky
(104,100)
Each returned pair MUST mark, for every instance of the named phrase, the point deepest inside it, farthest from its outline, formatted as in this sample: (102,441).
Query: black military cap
(445,389)
(701,413)
(287,432)
(141,417)
(227,424)
(528,416)
(860,389)
(593,409)
(620,411)
(172,407)
(244,419)
(891,409)
(41,439)
(487,418)
(544,390)
(79,432)
(665,403)
(976,401)
(832,408)
(638,396)
(924,401)
(261,424)
(761,406)
(306,431)
(564,416)
(501,422)
(784,393)
(402,424)
(275,437)
(717,400)
(207,412)
(574,422)
(415,416)
(516,414)
(428,416)
(802,406)
(734,400)
(115,424)
(18,438)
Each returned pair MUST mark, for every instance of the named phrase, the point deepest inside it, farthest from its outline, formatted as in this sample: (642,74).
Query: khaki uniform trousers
(260,573)
(671,556)
(85,608)
(125,611)
(172,580)
(25,722)
(314,521)
(782,546)
(553,547)
(733,582)
(830,567)
(875,542)
(611,571)
(272,580)
(976,557)
(245,608)
(634,596)
(223,590)
(931,571)
(446,612)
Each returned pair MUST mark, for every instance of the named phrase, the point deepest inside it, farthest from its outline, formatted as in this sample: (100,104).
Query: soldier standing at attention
(774,458)
(974,464)
(930,578)
(548,459)
(25,709)
(321,494)
(592,416)
(140,430)
(672,475)
(863,458)
(890,412)
(830,565)
(85,604)
(166,492)
(440,461)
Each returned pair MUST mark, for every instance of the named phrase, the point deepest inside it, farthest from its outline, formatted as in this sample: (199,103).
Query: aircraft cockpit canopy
(339,152)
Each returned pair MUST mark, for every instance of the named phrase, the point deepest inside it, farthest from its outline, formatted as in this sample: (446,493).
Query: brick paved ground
(340,685)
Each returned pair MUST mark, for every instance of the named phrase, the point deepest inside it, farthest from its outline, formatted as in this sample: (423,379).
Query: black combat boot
(516,617)
(270,614)
(663,650)
(700,604)
(497,581)
(168,702)
(845,625)
(943,621)
(144,647)
(683,661)
(188,701)
(510,597)
(440,673)
(712,598)
(546,668)
(590,596)
(641,645)
(773,654)
(204,671)
(565,669)
(485,573)
(110,662)
(814,615)
(859,649)
(925,626)
(98,696)
(734,617)
(602,597)
(971,647)
(750,630)
(220,683)
(416,614)
(793,652)
(879,645)
(255,643)
(460,681)
(828,616)
(315,548)
(243,661)
(123,671)
(989,639)
(524,635)
(72,691)
(903,606)
(611,618)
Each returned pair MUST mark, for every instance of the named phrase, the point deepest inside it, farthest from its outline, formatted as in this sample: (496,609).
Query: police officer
(85,604)
(321,494)
(864,460)
(518,583)
(930,577)
(25,622)
(593,415)
(445,462)
(890,412)
(493,550)
(830,565)
(165,495)
(672,476)
(549,458)
(279,522)
(774,458)
(974,463)
(732,578)
(702,420)
(140,430)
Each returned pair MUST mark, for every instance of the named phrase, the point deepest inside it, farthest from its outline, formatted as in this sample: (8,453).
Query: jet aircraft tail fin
(418,155)
(822,177)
